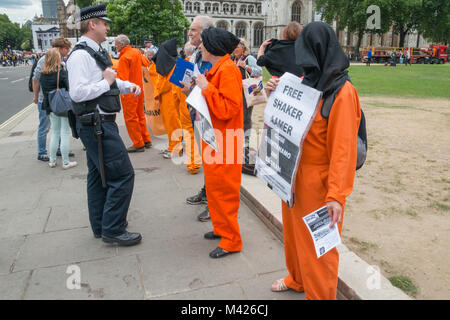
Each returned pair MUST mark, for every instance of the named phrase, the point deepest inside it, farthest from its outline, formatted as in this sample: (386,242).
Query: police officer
(95,92)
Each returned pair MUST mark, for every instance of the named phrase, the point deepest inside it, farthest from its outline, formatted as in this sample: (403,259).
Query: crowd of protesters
(99,88)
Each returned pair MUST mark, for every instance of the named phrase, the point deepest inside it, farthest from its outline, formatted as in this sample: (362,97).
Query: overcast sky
(20,10)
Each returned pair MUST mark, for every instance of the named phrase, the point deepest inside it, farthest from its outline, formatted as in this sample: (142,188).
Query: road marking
(17,115)
(3,78)
(17,80)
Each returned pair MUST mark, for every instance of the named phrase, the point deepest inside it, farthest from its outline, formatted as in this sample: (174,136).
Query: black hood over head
(278,58)
(166,57)
(318,52)
(218,41)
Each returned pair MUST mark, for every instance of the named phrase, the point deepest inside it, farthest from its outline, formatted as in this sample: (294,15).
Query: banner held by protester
(289,113)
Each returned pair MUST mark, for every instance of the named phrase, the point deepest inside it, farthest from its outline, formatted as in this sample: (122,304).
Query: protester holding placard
(222,89)
(327,166)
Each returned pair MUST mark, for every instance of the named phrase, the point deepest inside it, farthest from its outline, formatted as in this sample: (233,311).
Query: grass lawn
(421,81)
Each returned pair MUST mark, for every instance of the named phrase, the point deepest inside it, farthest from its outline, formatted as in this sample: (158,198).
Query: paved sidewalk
(44,229)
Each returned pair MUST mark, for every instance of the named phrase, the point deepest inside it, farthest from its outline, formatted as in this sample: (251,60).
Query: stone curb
(13,121)
(357,279)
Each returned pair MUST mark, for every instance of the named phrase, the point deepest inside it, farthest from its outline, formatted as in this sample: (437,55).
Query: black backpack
(30,81)
(362,133)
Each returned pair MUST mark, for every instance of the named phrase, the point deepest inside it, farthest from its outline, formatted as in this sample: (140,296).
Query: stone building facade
(258,20)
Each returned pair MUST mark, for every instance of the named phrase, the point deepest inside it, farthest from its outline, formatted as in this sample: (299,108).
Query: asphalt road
(14,94)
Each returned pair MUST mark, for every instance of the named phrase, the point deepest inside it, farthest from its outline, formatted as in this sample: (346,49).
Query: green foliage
(430,17)
(144,19)
(84,3)
(435,22)
(406,284)
(12,34)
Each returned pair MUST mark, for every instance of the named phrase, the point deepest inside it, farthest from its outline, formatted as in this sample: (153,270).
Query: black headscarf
(166,57)
(277,58)
(218,41)
(318,52)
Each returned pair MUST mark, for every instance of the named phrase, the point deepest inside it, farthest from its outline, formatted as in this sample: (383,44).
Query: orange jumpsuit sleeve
(225,102)
(343,124)
(123,68)
(145,62)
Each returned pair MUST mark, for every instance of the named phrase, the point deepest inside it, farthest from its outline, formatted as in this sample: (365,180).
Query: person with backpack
(54,76)
(326,169)
(63,45)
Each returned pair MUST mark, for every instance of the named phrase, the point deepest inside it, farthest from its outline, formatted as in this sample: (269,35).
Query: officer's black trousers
(108,207)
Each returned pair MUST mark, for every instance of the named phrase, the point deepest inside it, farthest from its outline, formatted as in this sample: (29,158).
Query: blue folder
(180,71)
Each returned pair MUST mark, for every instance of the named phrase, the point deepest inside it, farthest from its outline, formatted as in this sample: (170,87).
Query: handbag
(254,90)
(59,100)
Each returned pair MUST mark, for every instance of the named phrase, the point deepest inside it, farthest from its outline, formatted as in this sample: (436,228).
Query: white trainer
(52,164)
(69,165)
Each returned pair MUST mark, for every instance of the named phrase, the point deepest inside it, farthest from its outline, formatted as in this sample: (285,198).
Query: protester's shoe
(71,154)
(279,286)
(52,164)
(133,149)
(148,145)
(219,253)
(125,239)
(69,165)
(43,157)
(211,236)
(198,198)
(97,236)
(204,216)
(167,154)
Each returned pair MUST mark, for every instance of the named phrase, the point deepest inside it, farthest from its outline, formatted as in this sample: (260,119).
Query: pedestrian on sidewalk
(63,45)
(222,89)
(51,72)
(129,69)
(95,92)
(199,24)
(327,166)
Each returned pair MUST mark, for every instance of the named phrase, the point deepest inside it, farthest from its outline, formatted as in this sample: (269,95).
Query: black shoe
(43,157)
(125,239)
(219,253)
(133,149)
(204,216)
(148,145)
(211,236)
(198,198)
(71,154)
(99,235)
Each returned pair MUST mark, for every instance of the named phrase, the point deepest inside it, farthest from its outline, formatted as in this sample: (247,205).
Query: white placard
(288,115)
(198,102)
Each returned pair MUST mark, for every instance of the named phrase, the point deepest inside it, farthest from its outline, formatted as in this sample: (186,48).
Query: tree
(9,33)
(143,19)
(84,3)
(352,14)
(405,16)
(435,22)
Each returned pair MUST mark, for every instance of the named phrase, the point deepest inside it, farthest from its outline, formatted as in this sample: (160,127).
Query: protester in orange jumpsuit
(222,89)
(130,66)
(327,166)
(194,159)
(165,60)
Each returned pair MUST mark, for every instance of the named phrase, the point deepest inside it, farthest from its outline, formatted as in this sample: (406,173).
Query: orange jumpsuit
(130,66)
(223,180)
(326,172)
(169,110)
(194,159)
